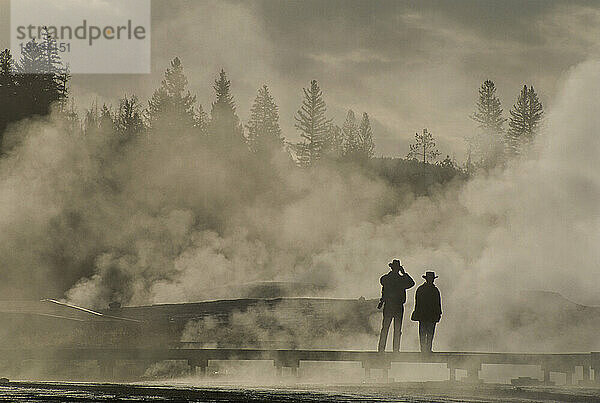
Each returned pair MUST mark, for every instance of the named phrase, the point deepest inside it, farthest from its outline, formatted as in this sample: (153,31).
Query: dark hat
(394,262)
(429,274)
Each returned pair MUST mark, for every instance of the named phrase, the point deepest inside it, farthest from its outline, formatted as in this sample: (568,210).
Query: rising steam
(161,219)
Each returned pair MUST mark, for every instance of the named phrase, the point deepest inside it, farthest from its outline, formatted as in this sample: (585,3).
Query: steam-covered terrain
(164,217)
(222,223)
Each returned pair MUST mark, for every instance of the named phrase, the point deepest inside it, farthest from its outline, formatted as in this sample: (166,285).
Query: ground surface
(394,392)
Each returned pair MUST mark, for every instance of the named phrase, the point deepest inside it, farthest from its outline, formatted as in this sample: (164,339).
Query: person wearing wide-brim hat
(393,296)
(428,310)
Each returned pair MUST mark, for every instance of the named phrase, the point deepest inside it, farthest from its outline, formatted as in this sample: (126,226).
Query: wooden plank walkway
(199,358)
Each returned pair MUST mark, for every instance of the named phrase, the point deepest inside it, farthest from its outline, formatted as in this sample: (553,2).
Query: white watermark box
(90,36)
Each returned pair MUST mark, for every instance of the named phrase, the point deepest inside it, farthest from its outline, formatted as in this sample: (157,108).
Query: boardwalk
(199,358)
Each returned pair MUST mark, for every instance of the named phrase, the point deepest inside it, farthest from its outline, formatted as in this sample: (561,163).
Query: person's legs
(430,333)
(385,328)
(426,330)
(398,315)
(423,336)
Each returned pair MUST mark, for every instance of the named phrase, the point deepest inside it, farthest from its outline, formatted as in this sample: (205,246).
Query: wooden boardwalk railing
(199,358)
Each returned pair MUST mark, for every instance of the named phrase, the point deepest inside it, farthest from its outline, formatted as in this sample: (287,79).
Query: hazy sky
(408,64)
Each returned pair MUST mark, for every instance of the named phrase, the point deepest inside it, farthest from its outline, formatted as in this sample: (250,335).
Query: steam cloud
(163,220)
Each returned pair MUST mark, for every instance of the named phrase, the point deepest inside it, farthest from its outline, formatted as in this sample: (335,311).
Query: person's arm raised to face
(409,280)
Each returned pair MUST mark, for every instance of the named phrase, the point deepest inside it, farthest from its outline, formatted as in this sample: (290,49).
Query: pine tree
(264,133)
(52,60)
(536,112)
(448,163)
(99,120)
(351,136)
(128,120)
(54,76)
(42,80)
(201,121)
(365,134)
(106,121)
(91,120)
(32,81)
(158,107)
(302,154)
(70,116)
(8,92)
(32,59)
(358,138)
(525,120)
(31,85)
(6,71)
(225,128)
(6,65)
(172,104)
(333,148)
(312,124)
(487,143)
(469,164)
(489,110)
(424,148)
(62,80)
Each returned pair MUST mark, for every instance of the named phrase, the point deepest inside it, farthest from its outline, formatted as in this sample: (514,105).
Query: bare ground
(393,392)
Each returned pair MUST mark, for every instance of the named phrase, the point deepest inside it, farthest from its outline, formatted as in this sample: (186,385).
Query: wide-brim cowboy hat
(394,262)
(429,274)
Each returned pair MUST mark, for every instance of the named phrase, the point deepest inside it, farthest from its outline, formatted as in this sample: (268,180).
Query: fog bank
(163,219)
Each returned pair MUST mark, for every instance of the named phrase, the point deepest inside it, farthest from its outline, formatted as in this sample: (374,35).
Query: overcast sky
(410,65)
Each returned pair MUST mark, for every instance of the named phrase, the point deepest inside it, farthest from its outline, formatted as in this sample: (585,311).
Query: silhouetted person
(428,310)
(393,296)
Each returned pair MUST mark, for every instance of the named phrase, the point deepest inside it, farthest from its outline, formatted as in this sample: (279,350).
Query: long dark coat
(428,304)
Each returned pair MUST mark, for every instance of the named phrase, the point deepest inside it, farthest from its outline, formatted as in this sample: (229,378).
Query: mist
(163,219)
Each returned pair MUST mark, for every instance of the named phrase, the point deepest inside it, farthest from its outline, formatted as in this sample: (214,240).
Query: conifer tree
(333,148)
(6,70)
(525,120)
(55,77)
(488,112)
(32,59)
(365,134)
(468,167)
(49,47)
(32,84)
(313,125)
(536,112)
(70,115)
(172,104)
(264,133)
(99,120)
(36,87)
(201,121)
(158,107)
(448,163)
(8,92)
(63,79)
(128,120)
(424,148)
(225,128)
(91,120)
(106,120)
(358,138)
(302,154)
(487,143)
(351,136)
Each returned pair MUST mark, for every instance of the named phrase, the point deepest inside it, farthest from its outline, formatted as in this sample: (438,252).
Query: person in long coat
(428,310)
